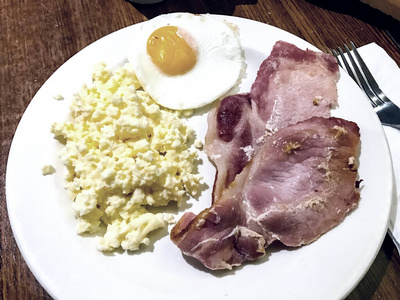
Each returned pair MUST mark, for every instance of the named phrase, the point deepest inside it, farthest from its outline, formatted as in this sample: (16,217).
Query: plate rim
(10,206)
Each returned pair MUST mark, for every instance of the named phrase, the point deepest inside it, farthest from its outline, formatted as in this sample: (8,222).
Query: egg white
(220,61)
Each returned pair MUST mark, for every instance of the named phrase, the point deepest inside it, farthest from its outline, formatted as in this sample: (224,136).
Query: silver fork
(387,111)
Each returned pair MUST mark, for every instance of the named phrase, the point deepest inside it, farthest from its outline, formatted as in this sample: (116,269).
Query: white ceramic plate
(70,267)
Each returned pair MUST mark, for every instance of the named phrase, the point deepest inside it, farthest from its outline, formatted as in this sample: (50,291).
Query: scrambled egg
(124,153)
(48,170)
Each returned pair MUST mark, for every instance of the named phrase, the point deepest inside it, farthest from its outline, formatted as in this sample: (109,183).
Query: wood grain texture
(37,37)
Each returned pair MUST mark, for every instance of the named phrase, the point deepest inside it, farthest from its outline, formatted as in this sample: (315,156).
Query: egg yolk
(170,51)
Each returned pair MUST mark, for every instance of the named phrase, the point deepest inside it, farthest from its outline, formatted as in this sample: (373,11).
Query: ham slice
(285,170)
(292,85)
(234,127)
(299,184)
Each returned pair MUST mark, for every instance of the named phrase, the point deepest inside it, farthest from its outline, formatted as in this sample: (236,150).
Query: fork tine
(363,66)
(387,111)
(361,80)
(336,55)
(371,80)
(347,66)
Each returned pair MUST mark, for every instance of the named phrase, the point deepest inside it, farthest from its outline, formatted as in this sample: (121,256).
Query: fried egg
(186,61)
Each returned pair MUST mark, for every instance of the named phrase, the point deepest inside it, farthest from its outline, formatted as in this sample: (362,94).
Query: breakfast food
(58,97)
(186,61)
(292,85)
(124,153)
(299,185)
(285,170)
(48,170)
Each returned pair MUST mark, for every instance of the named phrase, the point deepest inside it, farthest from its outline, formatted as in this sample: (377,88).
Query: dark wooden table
(37,37)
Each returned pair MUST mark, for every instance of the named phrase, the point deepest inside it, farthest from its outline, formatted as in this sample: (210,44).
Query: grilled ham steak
(292,85)
(285,170)
(234,131)
(299,184)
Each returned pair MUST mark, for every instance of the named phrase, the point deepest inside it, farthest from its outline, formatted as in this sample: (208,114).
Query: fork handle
(389,114)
